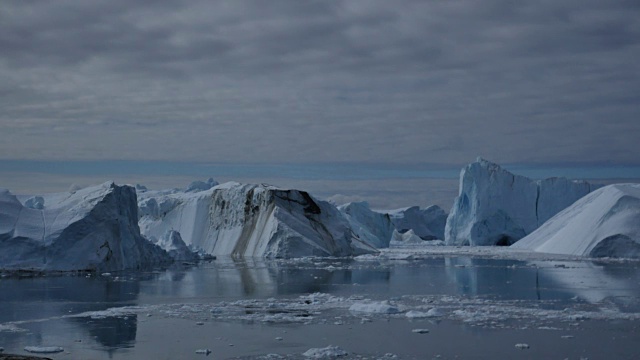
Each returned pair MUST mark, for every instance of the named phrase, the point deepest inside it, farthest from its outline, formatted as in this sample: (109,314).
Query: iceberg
(245,220)
(605,223)
(172,243)
(427,223)
(371,227)
(379,227)
(496,207)
(90,229)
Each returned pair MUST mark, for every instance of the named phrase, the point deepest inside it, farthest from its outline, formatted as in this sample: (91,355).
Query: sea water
(443,307)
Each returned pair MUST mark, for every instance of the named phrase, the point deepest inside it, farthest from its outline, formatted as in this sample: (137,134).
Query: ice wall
(496,207)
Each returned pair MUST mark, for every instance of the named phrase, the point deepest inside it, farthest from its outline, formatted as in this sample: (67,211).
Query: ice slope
(90,229)
(250,220)
(605,223)
(372,227)
(427,223)
(496,207)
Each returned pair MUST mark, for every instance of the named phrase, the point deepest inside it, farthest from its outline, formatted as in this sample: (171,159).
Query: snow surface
(89,229)
(496,207)
(605,223)
(245,220)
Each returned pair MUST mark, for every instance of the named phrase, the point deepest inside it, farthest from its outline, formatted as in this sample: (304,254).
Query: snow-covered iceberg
(605,223)
(234,219)
(371,227)
(89,229)
(427,223)
(496,207)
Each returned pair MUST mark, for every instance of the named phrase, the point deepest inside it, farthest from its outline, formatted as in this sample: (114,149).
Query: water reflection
(227,279)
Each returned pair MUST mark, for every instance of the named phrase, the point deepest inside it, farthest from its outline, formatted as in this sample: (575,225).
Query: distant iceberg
(605,223)
(427,223)
(496,207)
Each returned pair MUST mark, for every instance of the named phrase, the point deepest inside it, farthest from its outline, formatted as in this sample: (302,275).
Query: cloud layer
(321,81)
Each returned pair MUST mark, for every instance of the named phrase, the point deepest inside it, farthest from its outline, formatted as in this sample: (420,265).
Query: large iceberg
(244,220)
(496,207)
(605,223)
(89,229)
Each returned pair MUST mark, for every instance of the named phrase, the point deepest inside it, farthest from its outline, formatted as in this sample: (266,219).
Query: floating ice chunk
(43,349)
(413,314)
(327,352)
(420,331)
(203,351)
(383,307)
(435,312)
(522,346)
(367,257)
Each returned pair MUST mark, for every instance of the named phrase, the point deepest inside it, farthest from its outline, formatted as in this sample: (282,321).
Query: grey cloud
(406,81)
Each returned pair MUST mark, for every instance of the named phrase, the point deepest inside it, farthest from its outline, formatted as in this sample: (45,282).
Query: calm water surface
(57,311)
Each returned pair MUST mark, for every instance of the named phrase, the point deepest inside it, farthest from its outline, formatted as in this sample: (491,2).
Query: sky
(358,86)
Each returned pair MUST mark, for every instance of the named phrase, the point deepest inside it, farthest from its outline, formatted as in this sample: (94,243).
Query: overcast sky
(375,82)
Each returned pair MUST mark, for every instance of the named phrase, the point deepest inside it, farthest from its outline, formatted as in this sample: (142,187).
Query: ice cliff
(89,229)
(250,220)
(605,223)
(496,207)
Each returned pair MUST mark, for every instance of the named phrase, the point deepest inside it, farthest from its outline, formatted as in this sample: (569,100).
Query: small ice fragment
(279,338)
(106,274)
(43,349)
(567,336)
(374,308)
(420,331)
(199,323)
(327,352)
(413,314)
(203,351)
(522,346)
